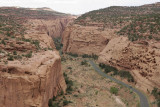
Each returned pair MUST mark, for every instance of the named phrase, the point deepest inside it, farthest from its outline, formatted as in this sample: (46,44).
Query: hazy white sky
(74,6)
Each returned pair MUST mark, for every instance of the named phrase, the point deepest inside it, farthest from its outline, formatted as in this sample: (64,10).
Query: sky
(74,6)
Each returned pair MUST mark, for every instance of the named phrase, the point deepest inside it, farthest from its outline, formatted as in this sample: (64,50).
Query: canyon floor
(91,90)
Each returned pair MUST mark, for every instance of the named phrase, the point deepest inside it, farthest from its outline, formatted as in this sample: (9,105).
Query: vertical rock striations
(32,82)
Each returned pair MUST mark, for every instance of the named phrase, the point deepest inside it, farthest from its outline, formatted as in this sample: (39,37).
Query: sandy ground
(92,90)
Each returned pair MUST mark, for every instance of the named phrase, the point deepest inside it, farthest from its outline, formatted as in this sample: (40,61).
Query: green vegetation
(138,23)
(121,73)
(114,90)
(69,83)
(156,93)
(57,42)
(56,102)
(12,31)
(142,27)
(126,74)
(36,43)
(29,55)
(72,54)
(17,57)
(3,42)
(108,68)
(70,68)
(10,58)
(66,102)
(60,100)
(84,63)
(14,52)
(90,56)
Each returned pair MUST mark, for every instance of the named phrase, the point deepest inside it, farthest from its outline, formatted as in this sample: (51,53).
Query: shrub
(8,34)
(74,55)
(150,37)
(101,65)
(114,90)
(55,105)
(69,88)
(3,42)
(63,58)
(110,69)
(84,62)
(69,67)
(68,82)
(10,58)
(122,73)
(36,43)
(14,53)
(90,56)
(18,57)
(156,93)
(54,98)
(50,103)
(126,74)
(62,93)
(1,51)
(57,42)
(65,102)
(50,49)
(29,55)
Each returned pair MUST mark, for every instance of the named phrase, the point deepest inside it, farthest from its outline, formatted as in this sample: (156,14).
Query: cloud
(65,1)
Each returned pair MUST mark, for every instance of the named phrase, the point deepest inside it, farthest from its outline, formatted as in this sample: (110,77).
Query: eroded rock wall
(85,40)
(141,58)
(32,82)
(52,27)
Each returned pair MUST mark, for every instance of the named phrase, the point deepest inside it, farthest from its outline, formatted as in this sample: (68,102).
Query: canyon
(105,32)
(34,72)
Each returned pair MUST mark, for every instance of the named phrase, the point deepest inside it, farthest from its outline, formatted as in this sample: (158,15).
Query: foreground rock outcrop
(32,82)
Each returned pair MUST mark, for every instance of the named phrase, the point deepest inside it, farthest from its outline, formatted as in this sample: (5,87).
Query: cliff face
(85,40)
(52,27)
(30,66)
(32,82)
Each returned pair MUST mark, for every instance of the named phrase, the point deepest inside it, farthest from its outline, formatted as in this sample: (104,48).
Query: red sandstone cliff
(30,66)
(53,28)
(85,39)
(32,82)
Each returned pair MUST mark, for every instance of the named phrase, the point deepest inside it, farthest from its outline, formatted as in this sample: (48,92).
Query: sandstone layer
(52,27)
(85,39)
(33,82)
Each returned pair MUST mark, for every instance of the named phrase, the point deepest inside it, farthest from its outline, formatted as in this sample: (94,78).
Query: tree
(114,90)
